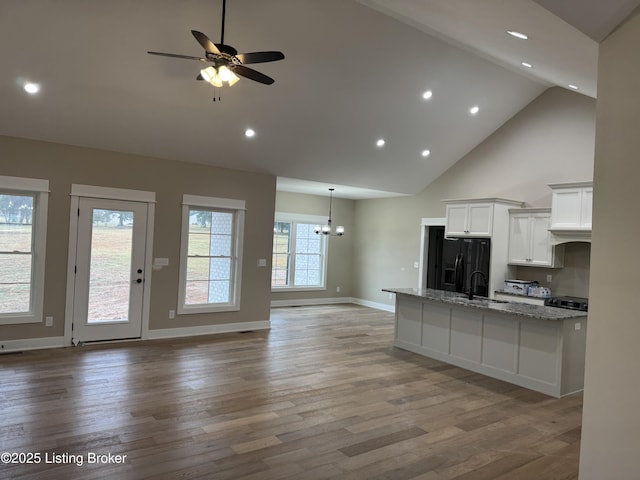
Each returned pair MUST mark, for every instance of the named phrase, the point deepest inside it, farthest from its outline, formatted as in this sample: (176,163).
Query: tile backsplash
(572,279)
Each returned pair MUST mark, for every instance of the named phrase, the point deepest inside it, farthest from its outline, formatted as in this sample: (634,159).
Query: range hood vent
(560,236)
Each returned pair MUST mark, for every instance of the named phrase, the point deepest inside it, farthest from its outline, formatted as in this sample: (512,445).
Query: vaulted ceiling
(355,72)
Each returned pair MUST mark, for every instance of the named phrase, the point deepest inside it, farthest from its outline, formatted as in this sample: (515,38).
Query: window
(299,254)
(211,254)
(23,225)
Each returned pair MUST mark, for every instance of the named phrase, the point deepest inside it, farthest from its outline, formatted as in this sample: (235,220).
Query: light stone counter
(537,347)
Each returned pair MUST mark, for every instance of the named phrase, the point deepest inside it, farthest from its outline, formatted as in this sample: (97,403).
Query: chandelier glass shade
(327,229)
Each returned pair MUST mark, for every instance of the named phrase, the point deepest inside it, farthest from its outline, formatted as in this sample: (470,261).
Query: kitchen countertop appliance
(570,303)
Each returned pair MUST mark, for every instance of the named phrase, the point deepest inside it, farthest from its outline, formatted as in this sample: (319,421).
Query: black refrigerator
(460,258)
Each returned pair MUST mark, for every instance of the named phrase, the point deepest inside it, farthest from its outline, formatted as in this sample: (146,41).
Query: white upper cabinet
(530,240)
(571,205)
(469,219)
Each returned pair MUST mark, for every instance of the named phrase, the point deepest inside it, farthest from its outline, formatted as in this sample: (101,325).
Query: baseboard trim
(206,330)
(8,346)
(304,302)
(376,305)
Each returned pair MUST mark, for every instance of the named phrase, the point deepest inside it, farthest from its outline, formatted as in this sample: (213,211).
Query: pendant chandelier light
(326,229)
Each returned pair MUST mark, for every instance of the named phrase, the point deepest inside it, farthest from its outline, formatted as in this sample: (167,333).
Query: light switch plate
(160,262)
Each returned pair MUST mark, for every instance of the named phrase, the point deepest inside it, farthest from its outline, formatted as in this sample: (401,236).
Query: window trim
(225,204)
(294,218)
(39,188)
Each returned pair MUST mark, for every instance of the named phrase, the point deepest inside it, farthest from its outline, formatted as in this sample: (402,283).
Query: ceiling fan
(225,61)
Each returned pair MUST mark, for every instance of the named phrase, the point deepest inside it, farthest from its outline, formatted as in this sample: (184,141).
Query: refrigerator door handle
(459,274)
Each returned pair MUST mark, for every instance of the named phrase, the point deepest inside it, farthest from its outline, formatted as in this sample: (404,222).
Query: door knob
(139,280)
(139,270)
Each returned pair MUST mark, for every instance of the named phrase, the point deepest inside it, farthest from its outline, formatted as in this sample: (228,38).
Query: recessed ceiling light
(427,95)
(249,132)
(519,35)
(526,64)
(573,87)
(426,153)
(31,87)
(474,110)
(380,142)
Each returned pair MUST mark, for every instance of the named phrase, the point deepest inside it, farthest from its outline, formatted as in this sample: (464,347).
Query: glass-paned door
(109,284)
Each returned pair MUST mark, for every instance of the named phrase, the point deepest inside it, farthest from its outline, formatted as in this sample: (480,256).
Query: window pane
(110,266)
(199,221)
(219,291)
(15,269)
(16,219)
(219,269)
(305,250)
(15,283)
(16,298)
(222,223)
(210,264)
(16,235)
(197,293)
(221,245)
(198,269)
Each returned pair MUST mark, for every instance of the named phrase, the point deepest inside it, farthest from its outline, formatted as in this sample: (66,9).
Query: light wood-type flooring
(323,394)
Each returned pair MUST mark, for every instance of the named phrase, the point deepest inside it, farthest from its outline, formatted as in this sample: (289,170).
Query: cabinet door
(457,219)
(480,219)
(587,204)
(566,208)
(541,253)
(519,238)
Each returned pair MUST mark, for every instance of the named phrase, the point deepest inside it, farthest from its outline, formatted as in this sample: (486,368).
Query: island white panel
(540,357)
(436,327)
(500,343)
(409,321)
(466,334)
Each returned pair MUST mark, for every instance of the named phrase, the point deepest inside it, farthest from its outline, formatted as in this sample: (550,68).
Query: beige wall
(63,165)
(339,255)
(611,423)
(572,279)
(549,141)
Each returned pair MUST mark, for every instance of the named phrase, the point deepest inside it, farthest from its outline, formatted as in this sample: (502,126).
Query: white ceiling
(354,72)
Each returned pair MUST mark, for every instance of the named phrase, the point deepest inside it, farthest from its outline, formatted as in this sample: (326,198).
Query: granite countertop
(512,308)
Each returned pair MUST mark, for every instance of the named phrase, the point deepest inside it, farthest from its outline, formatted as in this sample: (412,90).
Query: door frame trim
(108,193)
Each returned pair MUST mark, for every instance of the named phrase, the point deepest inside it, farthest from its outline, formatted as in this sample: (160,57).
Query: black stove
(570,303)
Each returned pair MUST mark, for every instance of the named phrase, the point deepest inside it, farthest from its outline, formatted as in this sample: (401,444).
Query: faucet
(473,274)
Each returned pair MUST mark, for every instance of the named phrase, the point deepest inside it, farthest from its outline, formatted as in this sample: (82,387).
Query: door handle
(139,270)
(139,280)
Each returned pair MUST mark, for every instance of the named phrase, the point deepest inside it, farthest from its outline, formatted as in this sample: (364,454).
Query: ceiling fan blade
(174,55)
(207,44)
(251,74)
(260,57)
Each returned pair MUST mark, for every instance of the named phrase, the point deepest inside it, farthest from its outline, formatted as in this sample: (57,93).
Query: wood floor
(321,395)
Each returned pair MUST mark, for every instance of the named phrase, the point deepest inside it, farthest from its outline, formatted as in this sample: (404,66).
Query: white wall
(611,423)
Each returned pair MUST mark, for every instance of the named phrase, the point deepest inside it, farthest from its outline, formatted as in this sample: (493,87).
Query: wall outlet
(549,278)
(577,326)
(338,289)
(172,314)
(416,264)
(262,262)
(48,321)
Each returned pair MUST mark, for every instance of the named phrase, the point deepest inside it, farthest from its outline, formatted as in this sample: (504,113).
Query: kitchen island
(533,346)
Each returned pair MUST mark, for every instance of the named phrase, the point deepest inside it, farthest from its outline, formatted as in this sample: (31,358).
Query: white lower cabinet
(542,355)
(530,240)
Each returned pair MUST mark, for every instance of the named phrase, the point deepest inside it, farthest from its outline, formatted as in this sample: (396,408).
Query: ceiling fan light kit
(227,65)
